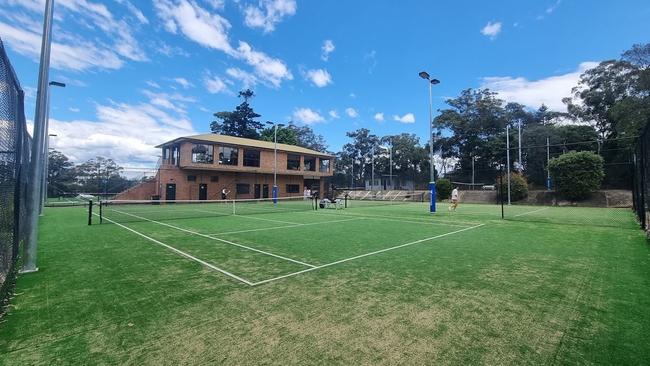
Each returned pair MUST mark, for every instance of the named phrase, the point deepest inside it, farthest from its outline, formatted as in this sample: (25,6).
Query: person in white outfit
(454,199)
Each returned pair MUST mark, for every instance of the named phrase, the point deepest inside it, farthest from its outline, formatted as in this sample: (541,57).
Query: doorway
(203,192)
(265,191)
(170,191)
(258,191)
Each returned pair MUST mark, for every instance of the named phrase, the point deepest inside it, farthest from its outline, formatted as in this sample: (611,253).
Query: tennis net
(122,211)
(382,199)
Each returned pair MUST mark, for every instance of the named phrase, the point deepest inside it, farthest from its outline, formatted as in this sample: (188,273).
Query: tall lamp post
(432,184)
(275,159)
(46,148)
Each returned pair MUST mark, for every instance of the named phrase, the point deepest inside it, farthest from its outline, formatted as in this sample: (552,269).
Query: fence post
(90,212)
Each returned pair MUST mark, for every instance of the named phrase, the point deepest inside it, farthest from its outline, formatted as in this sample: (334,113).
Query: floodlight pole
(390,164)
(508,159)
(372,174)
(36,165)
(275,160)
(519,140)
(548,169)
(46,149)
(432,184)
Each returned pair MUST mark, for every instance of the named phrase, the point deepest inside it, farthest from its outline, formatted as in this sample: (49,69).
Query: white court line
(286,226)
(402,219)
(186,255)
(218,239)
(365,255)
(531,212)
(265,219)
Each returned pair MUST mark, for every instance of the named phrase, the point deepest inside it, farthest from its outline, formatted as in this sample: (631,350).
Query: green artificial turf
(554,286)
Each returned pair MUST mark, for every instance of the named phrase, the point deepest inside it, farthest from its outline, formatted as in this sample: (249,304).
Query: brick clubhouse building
(198,167)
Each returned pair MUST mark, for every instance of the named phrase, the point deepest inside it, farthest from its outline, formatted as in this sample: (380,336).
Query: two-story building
(198,167)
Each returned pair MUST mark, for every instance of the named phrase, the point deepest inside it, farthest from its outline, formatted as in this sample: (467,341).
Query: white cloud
(319,77)
(117,133)
(334,114)
(214,84)
(351,112)
(135,11)
(553,7)
(78,57)
(271,70)
(352,95)
(195,23)
(211,31)
(407,118)
(153,84)
(534,93)
(75,110)
(268,13)
(105,43)
(175,102)
(307,116)
(491,30)
(247,79)
(327,48)
(379,117)
(183,82)
(371,59)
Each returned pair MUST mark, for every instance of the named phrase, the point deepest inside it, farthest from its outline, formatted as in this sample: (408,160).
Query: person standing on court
(224,193)
(454,199)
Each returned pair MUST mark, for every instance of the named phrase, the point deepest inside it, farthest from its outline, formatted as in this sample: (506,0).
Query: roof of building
(240,141)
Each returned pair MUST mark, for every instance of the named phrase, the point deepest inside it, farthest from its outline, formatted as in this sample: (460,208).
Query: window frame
(222,160)
(239,185)
(310,159)
(209,154)
(297,186)
(297,168)
(259,158)
(328,165)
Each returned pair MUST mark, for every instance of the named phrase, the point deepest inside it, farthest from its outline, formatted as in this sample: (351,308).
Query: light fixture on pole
(432,184)
(46,148)
(275,159)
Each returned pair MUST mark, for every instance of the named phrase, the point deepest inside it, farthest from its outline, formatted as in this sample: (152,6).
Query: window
(243,188)
(293,162)
(324,165)
(228,155)
(251,158)
(165,153)
(214,178)
(202,154)
(293,188)
(310,164)
(191,178)
(176,155)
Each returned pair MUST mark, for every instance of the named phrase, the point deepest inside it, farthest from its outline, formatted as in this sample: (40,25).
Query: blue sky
(140,72)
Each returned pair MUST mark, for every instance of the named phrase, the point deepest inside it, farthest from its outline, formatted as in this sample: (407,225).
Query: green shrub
(576,174)
(443,189)
(518,187)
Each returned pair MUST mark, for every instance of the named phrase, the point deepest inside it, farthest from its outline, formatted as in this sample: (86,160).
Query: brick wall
(142,191)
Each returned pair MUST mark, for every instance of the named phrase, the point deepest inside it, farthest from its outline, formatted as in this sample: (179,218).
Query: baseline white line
(401,219)
(531,212)
(365,255)
(218,239)
(265,219)
(286,226)
(182,253)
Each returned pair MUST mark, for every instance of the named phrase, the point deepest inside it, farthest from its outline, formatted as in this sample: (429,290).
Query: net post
(101,214)
(234,210)
(314,202)
(90,212)
(346,200)
(432,199)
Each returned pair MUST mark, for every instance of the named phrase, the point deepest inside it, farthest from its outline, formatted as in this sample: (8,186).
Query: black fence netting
(530,190)
(15,145)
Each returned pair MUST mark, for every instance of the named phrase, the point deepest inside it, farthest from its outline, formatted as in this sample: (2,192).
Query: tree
(101,175)
(308,138)
(285,135)
(356,155)
(240,122)
(477,120)
(577,174)
(60,175)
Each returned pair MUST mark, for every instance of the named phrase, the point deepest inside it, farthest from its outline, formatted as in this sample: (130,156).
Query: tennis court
(259,241)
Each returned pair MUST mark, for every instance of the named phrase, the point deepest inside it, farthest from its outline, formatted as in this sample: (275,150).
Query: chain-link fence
(597,188)
(15,146)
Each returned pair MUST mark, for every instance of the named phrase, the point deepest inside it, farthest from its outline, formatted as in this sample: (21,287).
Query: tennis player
(454,199)
(224,193)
